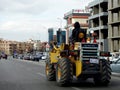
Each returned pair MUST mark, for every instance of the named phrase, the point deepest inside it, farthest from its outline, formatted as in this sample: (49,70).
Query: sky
(21,20)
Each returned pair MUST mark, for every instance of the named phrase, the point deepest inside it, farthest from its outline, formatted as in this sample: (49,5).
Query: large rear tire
(50,71)
(105,76)
(64,72)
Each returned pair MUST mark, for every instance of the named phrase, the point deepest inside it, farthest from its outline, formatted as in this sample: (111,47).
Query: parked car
(4,56)
(37,57)
(20,56)
(26,57)
(31,57)
(0,56)
(44,57)
(114,59)
(115,66)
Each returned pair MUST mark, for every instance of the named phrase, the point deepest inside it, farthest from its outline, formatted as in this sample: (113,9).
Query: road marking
(76,88)
(41,74)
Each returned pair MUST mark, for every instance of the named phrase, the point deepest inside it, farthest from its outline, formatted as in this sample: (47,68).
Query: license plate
(92,60)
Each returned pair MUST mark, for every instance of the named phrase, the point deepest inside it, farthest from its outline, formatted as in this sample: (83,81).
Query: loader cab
(81,36)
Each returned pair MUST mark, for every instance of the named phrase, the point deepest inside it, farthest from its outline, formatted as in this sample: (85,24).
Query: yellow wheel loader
(81,60)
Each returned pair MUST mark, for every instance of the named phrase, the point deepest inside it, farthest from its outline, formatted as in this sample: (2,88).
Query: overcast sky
(24,19)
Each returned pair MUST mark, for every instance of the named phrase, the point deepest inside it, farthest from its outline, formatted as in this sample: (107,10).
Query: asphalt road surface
(28,75)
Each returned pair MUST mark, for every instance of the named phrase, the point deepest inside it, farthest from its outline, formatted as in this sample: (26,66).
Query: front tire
(50,71)
(64,72)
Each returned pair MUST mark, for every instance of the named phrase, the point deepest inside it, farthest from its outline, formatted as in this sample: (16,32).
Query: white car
(115,66)
(44,57)
(113,59)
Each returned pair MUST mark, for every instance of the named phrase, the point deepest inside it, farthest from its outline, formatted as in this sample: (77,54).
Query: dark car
(20,56)
(26,57)
(4,56)
(115,66)
(15,55)
(37,57)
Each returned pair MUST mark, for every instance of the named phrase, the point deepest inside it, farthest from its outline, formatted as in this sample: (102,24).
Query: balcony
(96,2)
(97,28)
(114,37)
(97,15)
(115,9)
(115,23)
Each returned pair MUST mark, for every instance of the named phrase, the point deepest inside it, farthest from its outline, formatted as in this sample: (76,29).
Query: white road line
(76,88)
(41,74)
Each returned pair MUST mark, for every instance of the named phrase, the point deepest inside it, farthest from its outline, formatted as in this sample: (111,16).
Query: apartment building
(23,47)
(10,47)
(114,25)
(7,47)
(98,22)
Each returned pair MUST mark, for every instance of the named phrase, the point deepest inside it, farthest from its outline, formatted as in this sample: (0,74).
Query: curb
(115,74)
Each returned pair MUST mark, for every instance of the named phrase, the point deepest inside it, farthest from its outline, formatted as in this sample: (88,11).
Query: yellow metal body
(55,55)
(78,64)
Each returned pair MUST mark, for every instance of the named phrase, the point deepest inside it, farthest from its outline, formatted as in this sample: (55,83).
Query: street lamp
(60,22)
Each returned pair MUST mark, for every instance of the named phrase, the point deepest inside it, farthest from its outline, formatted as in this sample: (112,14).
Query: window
(118,62)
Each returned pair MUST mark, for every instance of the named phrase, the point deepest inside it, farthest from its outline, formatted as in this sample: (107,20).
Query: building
(23,47)
(7,47)
(98,22)
(10,47)
(37,44)
(55,38)
(50,34)
(61,36)
(114,25)
(79,15)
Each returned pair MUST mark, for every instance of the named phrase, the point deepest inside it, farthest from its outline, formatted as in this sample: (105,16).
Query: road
(28,75)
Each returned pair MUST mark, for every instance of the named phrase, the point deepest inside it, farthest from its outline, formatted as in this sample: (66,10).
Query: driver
(77,34)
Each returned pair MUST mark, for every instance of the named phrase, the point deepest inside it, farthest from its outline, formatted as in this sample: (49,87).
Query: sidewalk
(115,74)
